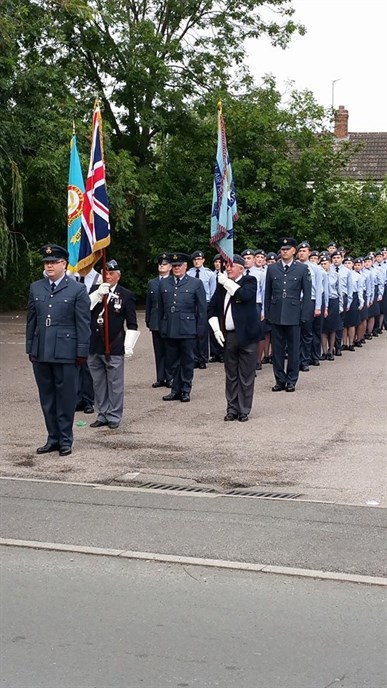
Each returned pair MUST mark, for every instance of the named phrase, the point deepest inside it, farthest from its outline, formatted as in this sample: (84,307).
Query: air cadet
(107,371)
(85,394)
(248,256)
(216,351)
(312,322)
(209,282)
(346,286)
(331,248)
(352,316)
(361,328)
(287,303)
(335,307)
(57,342)
(163,377)
(381,265)
(183,316)
(379,278)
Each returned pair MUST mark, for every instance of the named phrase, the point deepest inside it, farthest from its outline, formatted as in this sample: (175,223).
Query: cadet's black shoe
(290,388)
(265,360)
(202,365)
(258,366)
(185,397)
(338,352)
(351,347)
(168,384)
(88,409)
(359,345)
(173,396)
(330,357)
(230,416)
(65,451)
(315,362)
(47,448)
(112,424)
(243,417)
(304,368)
(278,388)
(368,336)
(158,384)
(98,423)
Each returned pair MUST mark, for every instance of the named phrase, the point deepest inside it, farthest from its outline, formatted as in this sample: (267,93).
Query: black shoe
(338,352)
(202,365)
(158,384)
(290,388)
(230,416)
(330,357)
(80,407)
(98,423)
(168,384)
(47,448)
(375,334)
(351,347)
(112,424)
(368,336)
(185,397)
(304,368)
(65,451)
(173,396)
(359,345)
(344,348)
(265,360)
(278,388)
(323,357)
(258,366)
(243,417)
(88,409)
(315,362)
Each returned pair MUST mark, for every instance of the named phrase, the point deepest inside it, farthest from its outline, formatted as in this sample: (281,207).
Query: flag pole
(106,296)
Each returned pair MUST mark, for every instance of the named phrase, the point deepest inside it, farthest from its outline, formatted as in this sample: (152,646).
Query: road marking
(196,561)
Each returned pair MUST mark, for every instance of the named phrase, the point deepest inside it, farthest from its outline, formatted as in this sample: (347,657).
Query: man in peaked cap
(209,282)
(182,317)
(312,325)
(163,377)
(108,371)
(57,343)
(287,303)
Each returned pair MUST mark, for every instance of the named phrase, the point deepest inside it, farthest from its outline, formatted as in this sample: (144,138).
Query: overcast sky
(345,40)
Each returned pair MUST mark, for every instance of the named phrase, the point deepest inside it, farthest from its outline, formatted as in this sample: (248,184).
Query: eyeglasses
(53,262)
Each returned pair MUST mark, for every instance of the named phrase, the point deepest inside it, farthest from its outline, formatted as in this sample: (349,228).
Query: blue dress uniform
(287,304)
(57,334)
(163,377)
(209,282)
(183,316)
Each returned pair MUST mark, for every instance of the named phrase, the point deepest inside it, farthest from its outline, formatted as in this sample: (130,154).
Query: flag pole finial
(220,106)
(97,102)
(73,127)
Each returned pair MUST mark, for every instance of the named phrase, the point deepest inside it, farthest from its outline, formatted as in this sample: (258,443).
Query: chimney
(341,123)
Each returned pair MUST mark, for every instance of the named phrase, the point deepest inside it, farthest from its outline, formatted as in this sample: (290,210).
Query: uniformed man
(163,377)
(57,342)
(312,321)
(346,290)
(233,319)
(332,247)
(216,351)
(183,316)
(107,371)
(209,282)
(287,303)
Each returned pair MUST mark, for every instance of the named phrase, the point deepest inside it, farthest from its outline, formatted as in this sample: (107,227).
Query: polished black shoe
(202,365)
(351,347)
(375,334)
(158,384)
(98,423)
(344,348)
(323,357)
(80,407)
(290,388)
(47,448)
(368,336)
(304,368)
(168,384)
(65,451)
(265,360)
(173,396)
(315,362)
(185,397)
(338,352)
(330,357)
(278,388)
(113,425)
(230,416)
(88,409)
(258,366)
(359,345)
(243,417)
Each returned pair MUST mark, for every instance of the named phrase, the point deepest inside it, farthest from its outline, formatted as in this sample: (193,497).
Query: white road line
(197,561)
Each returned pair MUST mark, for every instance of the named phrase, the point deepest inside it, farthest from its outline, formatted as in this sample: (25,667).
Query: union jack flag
(95,234)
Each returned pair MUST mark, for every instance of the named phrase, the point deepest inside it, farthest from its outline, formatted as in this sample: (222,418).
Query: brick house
(369,159)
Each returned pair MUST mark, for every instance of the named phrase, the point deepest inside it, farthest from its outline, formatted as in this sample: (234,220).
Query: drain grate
(235,492)
(242,492)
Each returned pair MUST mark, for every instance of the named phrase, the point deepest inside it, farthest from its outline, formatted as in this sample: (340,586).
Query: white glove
(97,295)
(228,284)
(218,334)
(131,337)
(222,277)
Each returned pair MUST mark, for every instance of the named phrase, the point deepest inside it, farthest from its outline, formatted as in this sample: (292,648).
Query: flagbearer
(108,371)
(57,343)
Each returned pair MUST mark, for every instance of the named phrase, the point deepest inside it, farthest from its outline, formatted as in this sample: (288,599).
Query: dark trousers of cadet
(57,385)
(85,395)
(201,348)
(216,350)
(180,361)
(306,339)
(108,379)
(239,365)
(316,334)
(159,348)
(339,333)
(285,338)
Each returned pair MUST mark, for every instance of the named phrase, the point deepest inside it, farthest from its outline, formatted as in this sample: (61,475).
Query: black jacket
(243,308)
(121,311)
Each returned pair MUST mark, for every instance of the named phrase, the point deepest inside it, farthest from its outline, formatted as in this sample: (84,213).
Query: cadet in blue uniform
(183,316)
(233,319)
(163,377)
(313,318)
(209,282)
(108,371)
(287,303)
(57,342)
(216,351)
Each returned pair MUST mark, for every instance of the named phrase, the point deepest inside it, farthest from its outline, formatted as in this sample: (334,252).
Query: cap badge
(48,250)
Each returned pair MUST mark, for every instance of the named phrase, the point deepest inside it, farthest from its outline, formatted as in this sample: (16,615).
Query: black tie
(337,268)
(177,280)
(248,271)
(197,273)
(82,280)
(53,286)
(286,268)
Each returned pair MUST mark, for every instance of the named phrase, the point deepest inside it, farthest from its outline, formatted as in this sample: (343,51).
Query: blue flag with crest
(75,195)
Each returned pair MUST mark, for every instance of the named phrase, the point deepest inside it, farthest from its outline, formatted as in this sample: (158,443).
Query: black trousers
(239,365)
(180,361)
(159,349)
(201,347)
(286,338)
(339,333)
(57,385)
(85,392)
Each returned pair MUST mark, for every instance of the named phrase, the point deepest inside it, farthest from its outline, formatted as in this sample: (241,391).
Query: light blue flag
(75,195)
(224,207)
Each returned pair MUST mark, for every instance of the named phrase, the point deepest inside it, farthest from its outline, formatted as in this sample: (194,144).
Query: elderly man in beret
(57,343)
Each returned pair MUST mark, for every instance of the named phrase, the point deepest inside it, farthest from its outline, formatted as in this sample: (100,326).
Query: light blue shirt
(208,278)
(346,285)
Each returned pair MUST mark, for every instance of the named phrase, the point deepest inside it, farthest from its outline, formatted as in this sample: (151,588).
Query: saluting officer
(57,342)
(209,282)
(183,317)
(287,303)
(163,377)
